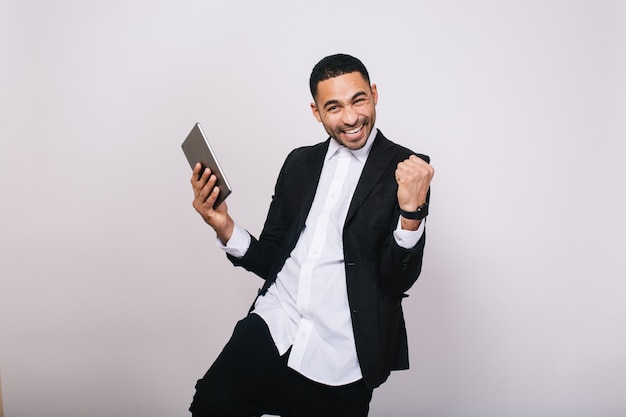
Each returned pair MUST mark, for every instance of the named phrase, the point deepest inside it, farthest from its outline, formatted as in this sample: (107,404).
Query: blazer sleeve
(265,255)
(400,267)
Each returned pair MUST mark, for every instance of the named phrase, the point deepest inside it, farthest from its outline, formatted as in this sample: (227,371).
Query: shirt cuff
(407,239)
(238,243)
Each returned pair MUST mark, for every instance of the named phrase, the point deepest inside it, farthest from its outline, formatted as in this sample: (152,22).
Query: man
(342,242)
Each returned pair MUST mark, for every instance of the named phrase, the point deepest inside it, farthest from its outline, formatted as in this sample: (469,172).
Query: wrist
(225,232)
(408,224)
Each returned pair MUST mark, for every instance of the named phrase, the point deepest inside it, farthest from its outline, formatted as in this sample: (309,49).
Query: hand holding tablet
(197,149)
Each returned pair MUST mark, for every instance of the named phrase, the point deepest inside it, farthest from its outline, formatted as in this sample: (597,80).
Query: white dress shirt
(307,307)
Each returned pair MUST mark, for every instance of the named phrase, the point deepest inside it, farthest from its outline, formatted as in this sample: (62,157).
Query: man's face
(346,106)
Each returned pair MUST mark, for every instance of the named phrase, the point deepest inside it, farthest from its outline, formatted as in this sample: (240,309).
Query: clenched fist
(413,176)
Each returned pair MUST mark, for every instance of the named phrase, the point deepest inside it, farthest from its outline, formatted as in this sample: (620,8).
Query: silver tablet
(197,149)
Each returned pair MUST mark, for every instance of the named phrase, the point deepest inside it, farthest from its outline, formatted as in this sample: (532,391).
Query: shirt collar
(360,154)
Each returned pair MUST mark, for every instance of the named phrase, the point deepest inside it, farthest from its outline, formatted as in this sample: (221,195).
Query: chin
(354,145)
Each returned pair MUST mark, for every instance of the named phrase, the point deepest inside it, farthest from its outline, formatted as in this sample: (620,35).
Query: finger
(199,178)
(405,168)
(417,164)
(212,196)
(209,202)
(197,172)
(418,159)
(206,187)
(205,199)
(412,172)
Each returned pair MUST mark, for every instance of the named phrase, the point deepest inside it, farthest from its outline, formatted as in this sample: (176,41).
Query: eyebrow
(354,97)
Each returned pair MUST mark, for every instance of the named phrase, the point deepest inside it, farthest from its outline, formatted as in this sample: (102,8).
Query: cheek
(370,113)
(329,122)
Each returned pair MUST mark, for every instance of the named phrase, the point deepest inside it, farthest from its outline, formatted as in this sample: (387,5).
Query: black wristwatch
(419,214)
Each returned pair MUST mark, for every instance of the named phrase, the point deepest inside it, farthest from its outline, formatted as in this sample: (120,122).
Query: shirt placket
(305,281)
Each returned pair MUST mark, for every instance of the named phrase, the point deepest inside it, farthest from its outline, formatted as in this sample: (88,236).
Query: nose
(350,116)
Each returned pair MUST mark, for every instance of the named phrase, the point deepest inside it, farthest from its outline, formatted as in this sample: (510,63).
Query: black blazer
(378,271)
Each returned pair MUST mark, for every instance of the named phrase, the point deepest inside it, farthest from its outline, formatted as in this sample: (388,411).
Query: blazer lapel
(378,160)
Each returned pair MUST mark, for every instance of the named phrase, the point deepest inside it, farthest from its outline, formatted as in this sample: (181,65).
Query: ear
(374,93)
(316,112)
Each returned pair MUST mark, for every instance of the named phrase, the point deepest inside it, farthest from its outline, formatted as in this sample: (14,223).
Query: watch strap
(419,214)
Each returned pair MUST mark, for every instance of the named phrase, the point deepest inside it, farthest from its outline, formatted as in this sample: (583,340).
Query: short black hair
(334,66)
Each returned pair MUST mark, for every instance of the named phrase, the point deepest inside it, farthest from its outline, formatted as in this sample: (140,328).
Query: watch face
(422,211)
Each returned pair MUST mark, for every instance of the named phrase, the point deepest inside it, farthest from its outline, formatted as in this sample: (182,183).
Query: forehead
(342,87)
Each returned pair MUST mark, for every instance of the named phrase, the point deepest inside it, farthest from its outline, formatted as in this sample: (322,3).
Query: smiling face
(346,106)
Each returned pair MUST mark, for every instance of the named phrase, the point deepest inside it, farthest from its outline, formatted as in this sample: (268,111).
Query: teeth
(355,130)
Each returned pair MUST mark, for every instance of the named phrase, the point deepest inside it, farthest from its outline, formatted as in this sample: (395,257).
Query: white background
(113,297)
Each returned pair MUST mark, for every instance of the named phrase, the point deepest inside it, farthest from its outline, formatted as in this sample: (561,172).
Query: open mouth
(354,131)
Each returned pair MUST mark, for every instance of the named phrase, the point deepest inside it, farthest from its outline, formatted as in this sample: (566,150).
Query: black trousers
(249,378)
